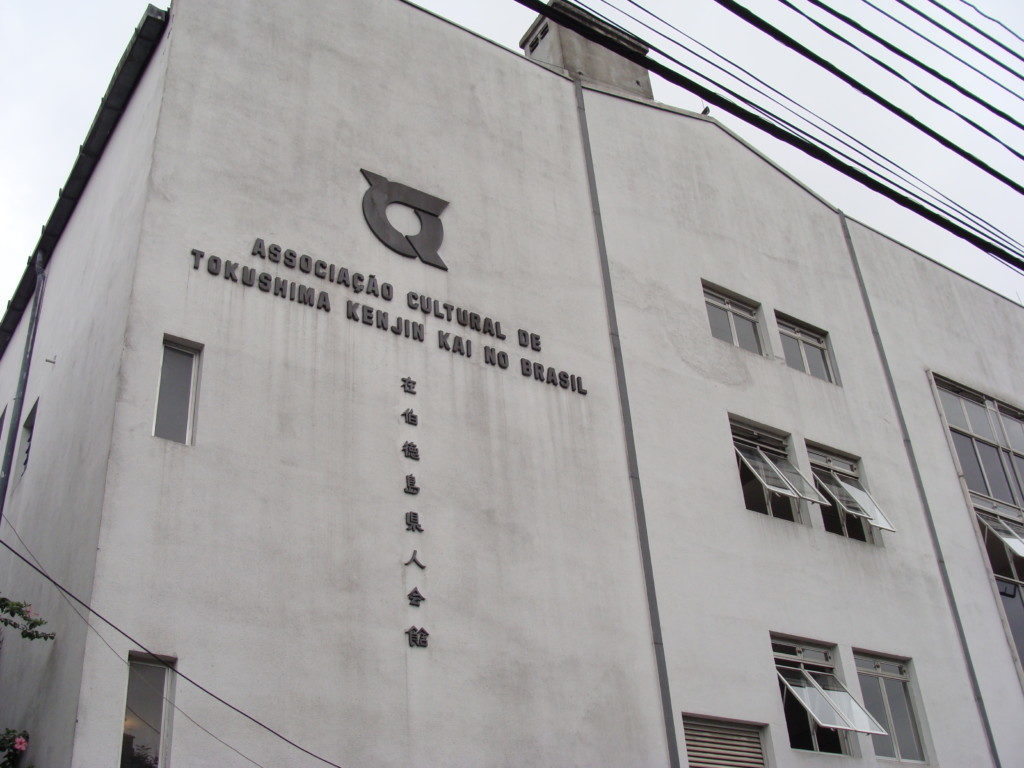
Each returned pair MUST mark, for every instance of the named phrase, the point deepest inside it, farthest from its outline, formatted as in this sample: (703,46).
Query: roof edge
(127,74)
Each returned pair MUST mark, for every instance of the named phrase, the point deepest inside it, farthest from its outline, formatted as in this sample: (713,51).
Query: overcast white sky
(57,56)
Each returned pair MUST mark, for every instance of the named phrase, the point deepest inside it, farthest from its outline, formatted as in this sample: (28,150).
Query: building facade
(437,405)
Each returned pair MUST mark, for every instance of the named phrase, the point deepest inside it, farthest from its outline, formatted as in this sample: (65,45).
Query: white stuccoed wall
(56,505)
(268,556)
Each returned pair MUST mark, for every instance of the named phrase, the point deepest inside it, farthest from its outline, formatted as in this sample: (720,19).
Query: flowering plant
(21,617)
(12,746)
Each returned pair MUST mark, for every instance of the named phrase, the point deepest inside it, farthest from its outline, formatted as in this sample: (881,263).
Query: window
(885,684)
(805,348)
(769,480)
(175,405)
(28,427)
(849,510)
(1004,542)
(733,320)
(988,441)
(147,721)
(714,743)
(819,709)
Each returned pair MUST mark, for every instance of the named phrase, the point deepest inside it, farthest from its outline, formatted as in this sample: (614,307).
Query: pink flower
(21,743)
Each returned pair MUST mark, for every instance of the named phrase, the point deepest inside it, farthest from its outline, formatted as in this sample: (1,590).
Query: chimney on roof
(547,42)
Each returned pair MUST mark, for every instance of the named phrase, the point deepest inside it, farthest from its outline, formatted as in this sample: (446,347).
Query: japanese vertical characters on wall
(410,451)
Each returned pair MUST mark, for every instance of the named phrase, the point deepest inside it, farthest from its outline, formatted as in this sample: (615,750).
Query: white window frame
(782,468)
(167,664)
(805,335)
(195,350)
(878,672)
(848,494)
(732,306)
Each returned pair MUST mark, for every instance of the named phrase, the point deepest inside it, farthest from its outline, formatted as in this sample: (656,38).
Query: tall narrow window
(28,427)
(885,684)
(175,405)
(819,709)
(147,714)
(806,348)
(733,320)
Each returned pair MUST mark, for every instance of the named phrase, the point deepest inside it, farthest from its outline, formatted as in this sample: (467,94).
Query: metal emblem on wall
(425,243)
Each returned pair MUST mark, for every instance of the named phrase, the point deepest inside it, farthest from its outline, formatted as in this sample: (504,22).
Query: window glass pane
(143,715)
(817,361)
(871,687)
(855,528)
(1015,431)
(954,411)
(746,333)
(830,515)
(799,483)
(172,410)
(791,348)
(1018,463)
(839,494)
(849,707)
(719,320)
(782,507)
(865,502)
(753,491)
(1014,608)
(999,487)
(903,725)
(764,470)
(969,463)
(813,699)
(798,724)
(978,415)
(998,557)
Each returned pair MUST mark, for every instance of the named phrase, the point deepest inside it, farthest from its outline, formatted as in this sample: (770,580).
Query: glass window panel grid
(805,349)
(886,687)
(733,320)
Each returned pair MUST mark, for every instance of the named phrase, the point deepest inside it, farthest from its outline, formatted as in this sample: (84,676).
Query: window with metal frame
(175,405)
(1004,543)
(147,713)
(849,509)
(806,348)
(885,685)
(770,481)
(27,430)
(733,320)
(819,709)
(988,438)
(713,743)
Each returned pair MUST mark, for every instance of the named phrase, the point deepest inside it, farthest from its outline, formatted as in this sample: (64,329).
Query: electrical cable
(949,205)
(900,76)
(980,12)
(977,30)
(178,672)
(918,63)
(756,21)
(563,19)
(945,50)
(954,35)
(124,661)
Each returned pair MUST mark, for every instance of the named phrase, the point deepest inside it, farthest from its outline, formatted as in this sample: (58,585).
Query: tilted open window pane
(827,701)
(800,483)
(831,485)
(847,706)
(764,470)
(1011,535)
(875,515)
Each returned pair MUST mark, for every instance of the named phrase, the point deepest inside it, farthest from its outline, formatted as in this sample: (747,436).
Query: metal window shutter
(718,744)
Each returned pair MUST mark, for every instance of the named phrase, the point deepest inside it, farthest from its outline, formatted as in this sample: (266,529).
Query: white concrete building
(653,379)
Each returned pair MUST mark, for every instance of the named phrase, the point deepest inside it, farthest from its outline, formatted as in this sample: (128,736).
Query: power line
(950,207)
(978,30)
(918,63)
(980,12)
(566,20)
(776,33)
(157,658)
(942,48)
(953,34)
(124,661)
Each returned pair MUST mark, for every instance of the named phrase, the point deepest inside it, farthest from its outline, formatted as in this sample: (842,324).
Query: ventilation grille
(718,744)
